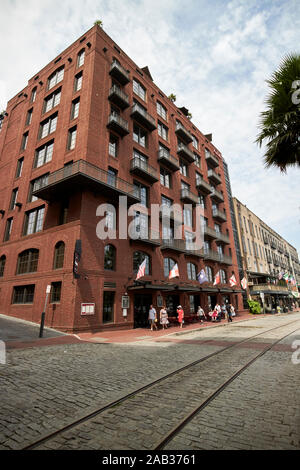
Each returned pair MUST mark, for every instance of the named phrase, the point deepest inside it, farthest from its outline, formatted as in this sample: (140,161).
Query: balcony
(209,233)
(140,115)
(269,258)
(203,186)
(222,238)
(183,133)
(117,96)
(174,245)
(216,195)
(219,215)
(266,241)
(119,73)
(214,177)
(187,196)
(273,245)
(166,158)
(211,160)
(280,249)
(198,253)
(211,255)
(269,289)
(186,153)
(152,238)
(118,124)
(224,259)
(82,175)
(143,169)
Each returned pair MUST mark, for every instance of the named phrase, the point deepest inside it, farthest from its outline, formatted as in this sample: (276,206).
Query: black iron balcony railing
(211,159)
(139,114)
(216,195)
(118,124)
(187,196)
(183,133)
(185,152)
(168,160)
(82,175)
(117,71)
(219,215)
(214,177)
(138,166)
(118,97)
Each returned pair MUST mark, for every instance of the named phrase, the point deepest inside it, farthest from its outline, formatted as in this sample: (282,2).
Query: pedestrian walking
(218,310)
(200,314)
(152,317)
(163,314)
(229,312)
(180,315)
(233,314)
(223,310)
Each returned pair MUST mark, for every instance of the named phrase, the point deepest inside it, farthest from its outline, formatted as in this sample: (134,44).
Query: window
(72,134)
(223,278)
(55,292)
(28,261)
(13,199)
(162,130)
(195,142)
(108,306)
(63,212)
(113,145)
(35,185)
(165,178)
(110,219)
(48,126)
(139,135)
(192,271)
(33,95)
(217,228)
(78,82)
(209,273)
(188,217)
(80,58)
(44,154)
(139,90)
(23,294)
(19,167)
(2,265)
(111,177)
(142,192)
(51,101)
(24,141)
(75,108)
(29,117)
(59,255)
(8,229)
(165,201)
(197,160)
(202,201)
(169,264)
(141,224)
(161,110)
(183,168)
(56,77)
(110,258)
(34,221)
(138,258)
(185,186)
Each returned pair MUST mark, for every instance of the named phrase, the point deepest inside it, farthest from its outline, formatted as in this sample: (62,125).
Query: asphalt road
(13,329)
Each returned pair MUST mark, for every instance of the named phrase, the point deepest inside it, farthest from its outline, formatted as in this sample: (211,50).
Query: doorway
(142,304)
(172,302)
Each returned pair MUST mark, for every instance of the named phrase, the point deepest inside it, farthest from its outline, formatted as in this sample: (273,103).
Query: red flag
(174,272)
(217,278)
(244,283)
(232,281)
(141,271)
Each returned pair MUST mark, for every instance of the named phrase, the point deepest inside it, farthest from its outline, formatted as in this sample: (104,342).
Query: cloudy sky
(214,55)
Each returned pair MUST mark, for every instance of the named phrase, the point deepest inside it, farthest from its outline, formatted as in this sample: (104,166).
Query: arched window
(169,264)
(110,258)
(59,255)
(2,265)
(138,258)
(192,271)
(209,273)
(28,261)
(223,278)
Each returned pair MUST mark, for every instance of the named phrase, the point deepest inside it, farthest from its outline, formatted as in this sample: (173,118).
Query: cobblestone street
(44,388)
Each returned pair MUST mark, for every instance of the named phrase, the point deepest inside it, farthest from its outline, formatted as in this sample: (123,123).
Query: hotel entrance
(142,304)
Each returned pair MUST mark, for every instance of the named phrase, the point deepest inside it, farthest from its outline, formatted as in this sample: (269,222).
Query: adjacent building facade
(268,262)
(88,128)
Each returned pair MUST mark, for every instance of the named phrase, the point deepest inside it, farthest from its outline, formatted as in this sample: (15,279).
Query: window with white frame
(52,100)
(44,154)
(161,110)
(48,126)
(56,77)
(139,90)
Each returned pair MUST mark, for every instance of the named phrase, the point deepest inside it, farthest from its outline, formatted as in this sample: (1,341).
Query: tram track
(110,406)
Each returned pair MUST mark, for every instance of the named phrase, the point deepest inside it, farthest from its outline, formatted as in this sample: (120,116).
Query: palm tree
(280,123)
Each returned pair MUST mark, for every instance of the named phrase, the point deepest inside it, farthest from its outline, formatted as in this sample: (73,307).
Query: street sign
(48,290)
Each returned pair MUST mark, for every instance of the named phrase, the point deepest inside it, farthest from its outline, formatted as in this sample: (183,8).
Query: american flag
(232,281)
(174,272)
(141,271)
(217,278)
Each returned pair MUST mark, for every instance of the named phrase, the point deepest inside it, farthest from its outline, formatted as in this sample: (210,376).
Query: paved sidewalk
(113,336)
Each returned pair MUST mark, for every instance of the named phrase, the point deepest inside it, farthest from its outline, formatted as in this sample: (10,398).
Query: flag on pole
(286,277)
(142,269)
(217,278)
(202,277)
(244,283)
(280,275)
(232,281)
(174,272)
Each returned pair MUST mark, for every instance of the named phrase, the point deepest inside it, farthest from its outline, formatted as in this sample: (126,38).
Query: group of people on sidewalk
(215,315)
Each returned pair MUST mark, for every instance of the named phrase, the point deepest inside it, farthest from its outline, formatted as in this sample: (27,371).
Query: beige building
(266,260)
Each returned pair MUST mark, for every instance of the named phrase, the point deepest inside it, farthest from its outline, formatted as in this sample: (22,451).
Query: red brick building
(89,127)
